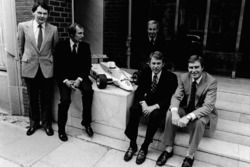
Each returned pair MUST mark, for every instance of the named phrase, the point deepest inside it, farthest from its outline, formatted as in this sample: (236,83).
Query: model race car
(108,73)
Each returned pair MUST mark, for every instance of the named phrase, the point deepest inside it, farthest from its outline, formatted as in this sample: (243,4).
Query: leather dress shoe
(129,153)
(49,131)
(62,136)
(141,157)
(89,131)
(187,162)
(32,130)
(163,158)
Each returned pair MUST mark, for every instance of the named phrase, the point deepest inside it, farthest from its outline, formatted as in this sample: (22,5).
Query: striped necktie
(154,83)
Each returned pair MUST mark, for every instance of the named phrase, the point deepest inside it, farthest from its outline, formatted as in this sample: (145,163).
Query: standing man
(36,41)
(192,106)
(156,85)
(72,68)
(148,44)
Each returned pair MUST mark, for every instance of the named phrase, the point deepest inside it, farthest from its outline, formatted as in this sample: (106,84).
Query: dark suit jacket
(143,48)
(165,88)
(205,96)
(69,67)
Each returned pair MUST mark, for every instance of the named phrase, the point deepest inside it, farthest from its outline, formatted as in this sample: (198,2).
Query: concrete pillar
(13,68)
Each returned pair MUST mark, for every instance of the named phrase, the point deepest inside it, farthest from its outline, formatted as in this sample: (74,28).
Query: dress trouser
(196,129)
(134,119)
(65,100)
(40,92)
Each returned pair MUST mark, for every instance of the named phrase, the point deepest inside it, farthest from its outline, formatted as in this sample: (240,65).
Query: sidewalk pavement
(40,150)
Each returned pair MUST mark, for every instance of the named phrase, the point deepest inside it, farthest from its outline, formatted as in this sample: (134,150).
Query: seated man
(192,106)
(152,98)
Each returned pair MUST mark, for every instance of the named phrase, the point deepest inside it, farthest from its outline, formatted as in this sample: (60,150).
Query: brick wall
(60,15)
(115,30)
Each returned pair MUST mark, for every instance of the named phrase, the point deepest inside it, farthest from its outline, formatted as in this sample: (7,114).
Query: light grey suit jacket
(205,97)
(29,55)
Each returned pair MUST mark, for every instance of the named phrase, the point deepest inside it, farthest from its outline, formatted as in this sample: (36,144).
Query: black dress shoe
(62,136)
(129,153)
(141,157)
(187,162)
(31,130)
(49,131)
(89,131)
(163,158)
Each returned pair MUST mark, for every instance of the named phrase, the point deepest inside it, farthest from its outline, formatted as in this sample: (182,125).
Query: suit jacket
(205,97)
(165,88)
(31,58)
(68,67)
(143,48)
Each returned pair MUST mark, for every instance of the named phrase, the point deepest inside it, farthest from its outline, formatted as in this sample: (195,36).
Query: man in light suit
(36,41)
(156,86)
(72,68)
(192,106)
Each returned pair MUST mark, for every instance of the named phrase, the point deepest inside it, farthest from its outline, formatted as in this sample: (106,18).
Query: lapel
(47,33)
(31,34)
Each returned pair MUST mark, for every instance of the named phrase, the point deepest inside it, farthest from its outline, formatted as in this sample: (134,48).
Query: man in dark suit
(72,67)
(192,106)
(151,42)
(36,42)
(152,98)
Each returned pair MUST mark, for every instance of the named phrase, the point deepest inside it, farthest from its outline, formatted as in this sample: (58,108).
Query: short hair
(72,29)
(42,4)
(154,22)
(194,58)
(157,55)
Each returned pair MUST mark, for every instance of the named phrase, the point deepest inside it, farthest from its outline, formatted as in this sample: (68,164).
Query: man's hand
(175,117)
(143,105)
(183,122)
(70,84)
(77,83)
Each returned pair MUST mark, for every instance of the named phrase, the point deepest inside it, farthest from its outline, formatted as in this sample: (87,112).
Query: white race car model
(107,72)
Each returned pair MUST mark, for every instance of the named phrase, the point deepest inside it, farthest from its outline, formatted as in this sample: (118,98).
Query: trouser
(65,100)
(134,119)
(40,92)
(196,129)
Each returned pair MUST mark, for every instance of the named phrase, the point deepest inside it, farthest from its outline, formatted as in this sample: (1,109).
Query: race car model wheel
(135,77)
(101,81)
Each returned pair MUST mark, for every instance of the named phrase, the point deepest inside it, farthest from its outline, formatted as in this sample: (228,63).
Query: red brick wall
(115,30)
(60,15)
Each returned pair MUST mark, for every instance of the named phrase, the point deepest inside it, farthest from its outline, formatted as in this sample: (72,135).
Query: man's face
(41,15)
(195,69)
(78,35)
(156,65)
(152,30)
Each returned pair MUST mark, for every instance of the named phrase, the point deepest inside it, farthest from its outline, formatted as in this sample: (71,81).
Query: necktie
(40,37)
(74,50)
(154,83)
(191,104)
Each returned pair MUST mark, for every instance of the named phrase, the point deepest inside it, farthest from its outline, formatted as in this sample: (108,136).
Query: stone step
(122,145)
(217,152)
(235,97)
(231,131)
(234,116)
(233,106)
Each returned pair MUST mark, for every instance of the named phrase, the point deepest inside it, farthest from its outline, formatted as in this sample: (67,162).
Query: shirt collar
(198,80)
(35,25)
(72,43)
(158,75)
